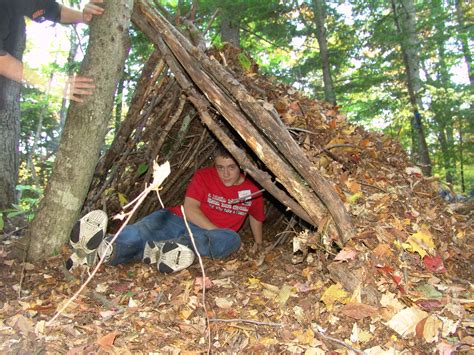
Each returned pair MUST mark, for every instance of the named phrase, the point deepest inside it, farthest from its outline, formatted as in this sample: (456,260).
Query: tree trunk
(74,45)
(405,19)
(10,123)
(230,30)
(464,39)
(118,104)
(319,8)
(84,131)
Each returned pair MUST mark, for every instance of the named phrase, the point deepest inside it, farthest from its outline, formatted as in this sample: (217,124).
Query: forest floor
(258,304)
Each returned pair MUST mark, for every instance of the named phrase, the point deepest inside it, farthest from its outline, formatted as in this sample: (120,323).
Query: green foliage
(30,196)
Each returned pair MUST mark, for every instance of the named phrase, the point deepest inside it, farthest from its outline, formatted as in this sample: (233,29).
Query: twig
(340,342)
(203,280)
(6,235)
(334,146)
(240,320)
(369,185)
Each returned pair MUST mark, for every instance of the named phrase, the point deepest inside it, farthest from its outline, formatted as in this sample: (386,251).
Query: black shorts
(13,11)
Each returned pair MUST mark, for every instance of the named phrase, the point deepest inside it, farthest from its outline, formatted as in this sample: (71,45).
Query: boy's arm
(194,214)
(257,230)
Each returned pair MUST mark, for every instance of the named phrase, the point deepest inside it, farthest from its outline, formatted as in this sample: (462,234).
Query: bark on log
(351,279)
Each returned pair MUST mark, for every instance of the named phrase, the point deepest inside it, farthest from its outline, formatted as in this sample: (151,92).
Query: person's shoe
(86,236)
(168,256)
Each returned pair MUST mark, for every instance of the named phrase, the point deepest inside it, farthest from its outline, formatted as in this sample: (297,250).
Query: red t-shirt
(225,206)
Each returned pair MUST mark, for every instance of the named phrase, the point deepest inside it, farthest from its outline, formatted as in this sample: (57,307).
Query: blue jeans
(164,225)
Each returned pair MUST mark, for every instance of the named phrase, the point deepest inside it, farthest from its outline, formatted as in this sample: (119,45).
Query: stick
(240,320)
(203,280)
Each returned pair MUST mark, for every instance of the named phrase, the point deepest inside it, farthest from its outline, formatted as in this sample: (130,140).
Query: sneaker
(86,236)
(168,256)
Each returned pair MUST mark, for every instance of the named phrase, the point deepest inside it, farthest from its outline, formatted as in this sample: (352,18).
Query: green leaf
(122,199)
(2,223)
(142,169)
(245,61)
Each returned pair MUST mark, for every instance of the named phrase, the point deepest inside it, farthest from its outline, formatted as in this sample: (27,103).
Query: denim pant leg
(215,243)
(157,226)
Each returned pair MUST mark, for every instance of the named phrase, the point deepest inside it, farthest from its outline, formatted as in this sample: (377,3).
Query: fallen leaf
(431,329)
(345,254)
(420,243)
(223,303)
(107,341)
(405,321)
(445,348)
(334,293)
(284,294)
(434,264)
(358,310)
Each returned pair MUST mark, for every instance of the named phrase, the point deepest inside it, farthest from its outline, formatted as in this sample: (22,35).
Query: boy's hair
(220,151)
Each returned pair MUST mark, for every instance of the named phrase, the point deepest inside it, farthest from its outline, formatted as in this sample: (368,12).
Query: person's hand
(257,248)
(92,9)
(77,86)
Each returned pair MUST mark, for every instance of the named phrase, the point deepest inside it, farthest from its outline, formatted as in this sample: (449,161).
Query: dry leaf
(358,310)
(107,341)
(405,321)
(223,303)
(334,293)
(420,243)
(431,329)
(284,294)
(345,254)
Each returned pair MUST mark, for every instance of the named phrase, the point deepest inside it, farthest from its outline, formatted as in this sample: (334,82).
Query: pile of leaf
(411,250)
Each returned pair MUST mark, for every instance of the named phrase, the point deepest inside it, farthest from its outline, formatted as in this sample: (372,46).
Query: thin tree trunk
(84,131)
(73,46)
(230,30)
(118,104)
(405,19)
(464,39)
(10,123)
(319,7)
(461,155)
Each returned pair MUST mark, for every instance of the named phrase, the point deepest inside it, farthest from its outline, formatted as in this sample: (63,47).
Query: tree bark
(464,39)
(10,123)
(405,19)
(230,30)
(319,9)
(84,131)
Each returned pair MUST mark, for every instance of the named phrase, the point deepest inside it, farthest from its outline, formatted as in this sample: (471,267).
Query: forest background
(403,68)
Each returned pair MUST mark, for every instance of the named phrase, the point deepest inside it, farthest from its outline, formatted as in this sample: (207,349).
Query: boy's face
(228,171)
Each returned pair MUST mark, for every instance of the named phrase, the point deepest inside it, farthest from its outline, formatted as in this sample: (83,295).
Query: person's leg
(215,243)
(157,226)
